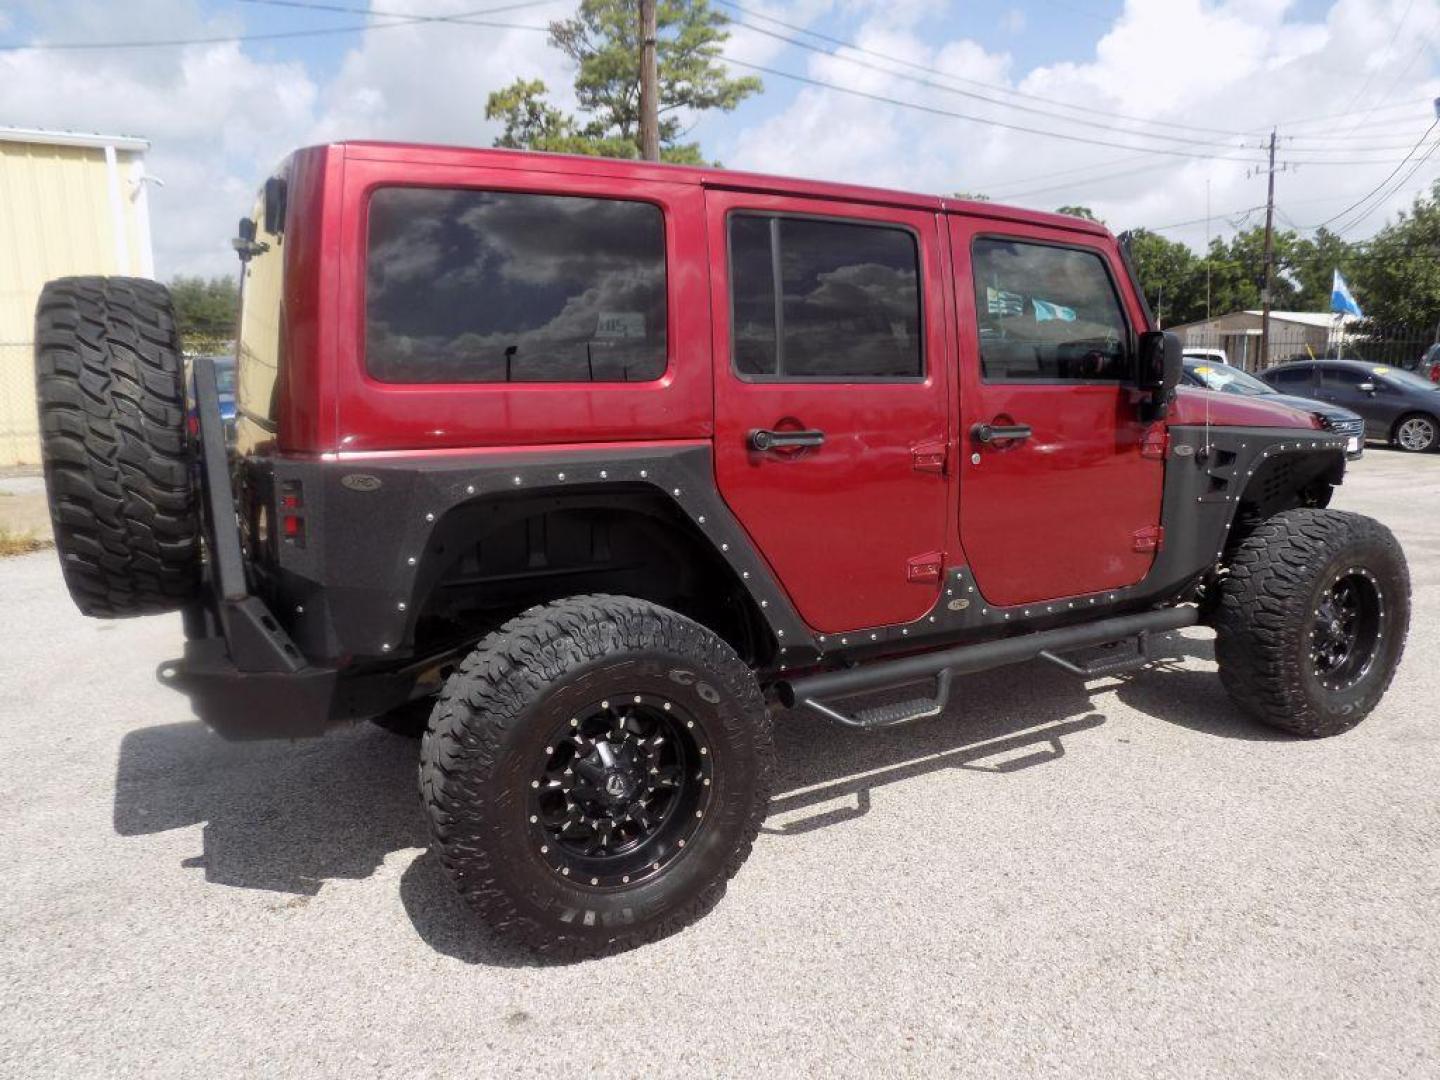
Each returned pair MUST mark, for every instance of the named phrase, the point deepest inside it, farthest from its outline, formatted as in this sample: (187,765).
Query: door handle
(763,439)
(993,433)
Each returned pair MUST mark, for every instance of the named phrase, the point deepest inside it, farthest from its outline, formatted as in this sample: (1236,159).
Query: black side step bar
(811,691)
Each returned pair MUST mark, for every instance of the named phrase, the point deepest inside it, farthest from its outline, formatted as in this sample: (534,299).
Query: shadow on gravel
(998,722)
(277,815)
(290,816)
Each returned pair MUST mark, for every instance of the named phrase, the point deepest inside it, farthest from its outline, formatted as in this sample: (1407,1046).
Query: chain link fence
(1397,347)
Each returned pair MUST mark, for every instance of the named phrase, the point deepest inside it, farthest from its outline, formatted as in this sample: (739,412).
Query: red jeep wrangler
(588,457)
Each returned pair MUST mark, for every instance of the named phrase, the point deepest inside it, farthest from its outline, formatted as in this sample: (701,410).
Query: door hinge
(929,457)
(1156,443)
(925,567)
(1150,538)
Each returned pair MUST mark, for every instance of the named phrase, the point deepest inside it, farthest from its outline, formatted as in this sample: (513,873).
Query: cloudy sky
(1136,108)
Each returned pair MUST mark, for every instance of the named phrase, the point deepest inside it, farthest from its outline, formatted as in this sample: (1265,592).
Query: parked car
(1429,364)
(1398,406)
(597,454)
(1207,356)
(225,389)
(1228,380)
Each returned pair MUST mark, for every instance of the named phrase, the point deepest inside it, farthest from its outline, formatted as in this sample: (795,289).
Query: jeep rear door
(831,398)
(1059,493)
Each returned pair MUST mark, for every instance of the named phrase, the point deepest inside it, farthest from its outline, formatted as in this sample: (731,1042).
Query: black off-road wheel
(110,380)
(595,773)
(1312,620)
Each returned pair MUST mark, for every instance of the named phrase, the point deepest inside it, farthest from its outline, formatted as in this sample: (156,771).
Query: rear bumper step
(813,691)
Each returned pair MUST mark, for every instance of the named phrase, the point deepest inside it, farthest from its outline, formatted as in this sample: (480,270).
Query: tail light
(292,513)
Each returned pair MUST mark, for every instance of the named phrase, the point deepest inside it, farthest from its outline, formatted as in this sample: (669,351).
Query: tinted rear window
(488,286)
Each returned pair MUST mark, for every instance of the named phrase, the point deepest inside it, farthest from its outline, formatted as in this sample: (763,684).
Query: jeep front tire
(1312,620)
(110,380)
(594,774)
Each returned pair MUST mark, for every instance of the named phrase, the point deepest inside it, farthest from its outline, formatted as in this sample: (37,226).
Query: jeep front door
(1059,491)
(831,399)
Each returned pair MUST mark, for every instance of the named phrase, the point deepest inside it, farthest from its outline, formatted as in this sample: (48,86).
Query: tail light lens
(292,513)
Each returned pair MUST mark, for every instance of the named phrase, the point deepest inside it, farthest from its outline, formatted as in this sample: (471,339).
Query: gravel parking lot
(1124,878)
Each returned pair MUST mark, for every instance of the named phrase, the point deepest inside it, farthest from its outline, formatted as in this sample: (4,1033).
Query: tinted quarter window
(848,304)
(486,286)
(1047,314)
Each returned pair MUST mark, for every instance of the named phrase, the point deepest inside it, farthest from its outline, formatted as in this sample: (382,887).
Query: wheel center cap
(617,786)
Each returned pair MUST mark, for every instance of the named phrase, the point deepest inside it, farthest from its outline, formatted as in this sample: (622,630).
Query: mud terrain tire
(110,382)
(1281,633)
(506,712)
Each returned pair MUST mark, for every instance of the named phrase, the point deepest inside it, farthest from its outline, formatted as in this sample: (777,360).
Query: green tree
(205,311)
(1314,261)
(1171,276)
(603,41)
(1397,276)
(1078,211)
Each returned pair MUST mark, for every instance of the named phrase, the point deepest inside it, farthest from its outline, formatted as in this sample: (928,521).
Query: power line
(277,35)
(961,79)
(1404,70)
(1072,184)
(934,111)
(990,122)
(1400,23)
(844,43)
(1048,114)
(1297,121)
(1401,183)
(1387,179)
(989,100)
(314,5)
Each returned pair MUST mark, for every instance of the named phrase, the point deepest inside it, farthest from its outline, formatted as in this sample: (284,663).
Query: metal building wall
(69,204)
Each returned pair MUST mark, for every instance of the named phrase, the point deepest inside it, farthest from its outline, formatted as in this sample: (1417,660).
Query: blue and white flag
(1342,299)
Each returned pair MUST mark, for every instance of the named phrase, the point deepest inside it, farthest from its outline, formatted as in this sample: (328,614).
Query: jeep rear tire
(110,381)
(1312,620)
(594,774)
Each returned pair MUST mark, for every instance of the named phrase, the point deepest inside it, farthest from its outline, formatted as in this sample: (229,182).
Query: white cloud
(219,117)
(1234,66)
(430,83)
(216,118)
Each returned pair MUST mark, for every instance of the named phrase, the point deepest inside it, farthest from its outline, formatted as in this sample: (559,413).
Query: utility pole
(649,85)
(1269,261)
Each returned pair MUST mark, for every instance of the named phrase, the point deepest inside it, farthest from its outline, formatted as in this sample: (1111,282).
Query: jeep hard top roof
(534,160)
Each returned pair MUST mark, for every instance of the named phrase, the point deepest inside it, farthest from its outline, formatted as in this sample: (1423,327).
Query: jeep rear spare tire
(110,382)
(594,774)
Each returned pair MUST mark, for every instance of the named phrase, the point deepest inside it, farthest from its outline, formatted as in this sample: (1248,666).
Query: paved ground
(23,512)
(1119,880)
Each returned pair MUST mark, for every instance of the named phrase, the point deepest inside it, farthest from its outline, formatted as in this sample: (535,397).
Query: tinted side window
(1339,377)
(1295,378)
(487,286)
(848,304)
(1047,314)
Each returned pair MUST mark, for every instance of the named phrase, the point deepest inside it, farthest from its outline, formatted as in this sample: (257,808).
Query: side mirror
(1366,388)
(1162,361)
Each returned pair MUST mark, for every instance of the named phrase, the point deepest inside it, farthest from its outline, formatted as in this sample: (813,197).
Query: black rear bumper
(243,673)
(252,704)
(245,683)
